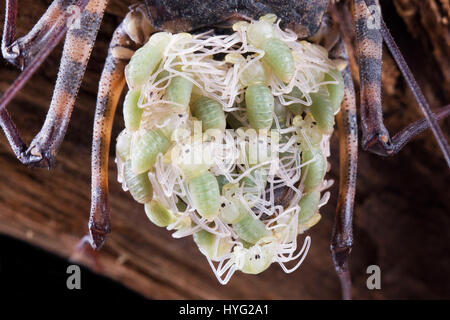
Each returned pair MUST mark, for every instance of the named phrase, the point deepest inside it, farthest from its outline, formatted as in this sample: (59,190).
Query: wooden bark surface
(402,205)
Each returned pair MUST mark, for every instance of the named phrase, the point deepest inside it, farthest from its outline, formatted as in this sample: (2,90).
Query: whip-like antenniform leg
(400,139)
(132,32)
(79,41)
(370,32)
(342,238)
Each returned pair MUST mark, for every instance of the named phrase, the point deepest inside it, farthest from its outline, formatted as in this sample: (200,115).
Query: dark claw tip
(37,158)
(98,238)
(379,144)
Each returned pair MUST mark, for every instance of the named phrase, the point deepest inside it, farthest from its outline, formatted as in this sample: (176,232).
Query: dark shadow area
(27,271)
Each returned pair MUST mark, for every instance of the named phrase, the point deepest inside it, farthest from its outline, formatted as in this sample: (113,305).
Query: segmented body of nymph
(226,139)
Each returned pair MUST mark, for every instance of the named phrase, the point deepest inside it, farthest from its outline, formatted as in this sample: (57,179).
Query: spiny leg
(134,30)
(58,20)
(76,53)
(23,50)
(342,238)
(79,41)
(369,37)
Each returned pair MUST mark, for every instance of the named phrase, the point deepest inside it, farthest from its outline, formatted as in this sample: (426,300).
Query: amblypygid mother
(255,17)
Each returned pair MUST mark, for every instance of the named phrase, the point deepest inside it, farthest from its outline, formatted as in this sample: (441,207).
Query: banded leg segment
(21,52)
(370,32)
(77,49)
(134,30)
(52,37)
(342,238)
(375,136)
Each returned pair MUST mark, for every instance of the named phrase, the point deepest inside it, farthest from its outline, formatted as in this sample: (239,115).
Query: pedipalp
(131,33)
(342,237)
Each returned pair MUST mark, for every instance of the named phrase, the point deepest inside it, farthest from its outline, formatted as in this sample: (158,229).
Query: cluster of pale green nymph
(226,139)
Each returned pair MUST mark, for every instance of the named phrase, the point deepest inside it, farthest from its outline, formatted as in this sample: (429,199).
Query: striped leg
(370,32)
(21,52)
(370,72)
(77,49)
(132,32)
(342,238)
(44,39)
(375,136)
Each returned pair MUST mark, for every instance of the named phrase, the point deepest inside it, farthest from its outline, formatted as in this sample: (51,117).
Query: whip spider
(318,20)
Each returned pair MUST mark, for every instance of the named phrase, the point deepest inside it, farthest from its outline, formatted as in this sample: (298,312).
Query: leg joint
(34,157)
(13,54)
(379,143)
(340,254)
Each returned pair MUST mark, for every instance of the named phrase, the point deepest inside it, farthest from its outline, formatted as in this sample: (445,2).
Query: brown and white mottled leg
(375,136)
(342,238)
(78,45)
(370,32)
(22,51)
(132,33)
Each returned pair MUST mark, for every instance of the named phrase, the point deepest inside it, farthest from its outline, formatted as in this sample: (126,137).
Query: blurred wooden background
(402,203)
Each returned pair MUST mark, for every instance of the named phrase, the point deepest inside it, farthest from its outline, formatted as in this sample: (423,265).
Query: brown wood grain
(402,205)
